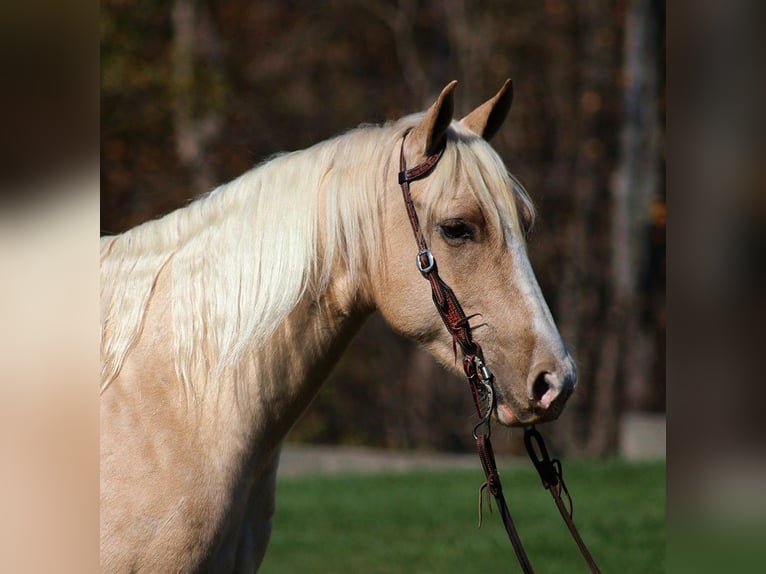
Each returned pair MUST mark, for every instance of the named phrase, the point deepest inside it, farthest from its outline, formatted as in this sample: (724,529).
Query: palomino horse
(222,319)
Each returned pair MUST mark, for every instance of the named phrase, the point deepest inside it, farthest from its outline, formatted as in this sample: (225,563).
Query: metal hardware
(486,392)
(543,463)
(429,259)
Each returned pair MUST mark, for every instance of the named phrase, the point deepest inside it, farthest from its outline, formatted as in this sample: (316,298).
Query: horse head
(474,217)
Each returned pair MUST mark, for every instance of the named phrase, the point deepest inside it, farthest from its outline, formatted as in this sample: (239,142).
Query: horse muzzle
(548,388)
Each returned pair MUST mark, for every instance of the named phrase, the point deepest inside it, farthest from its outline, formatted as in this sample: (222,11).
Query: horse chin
(506,416)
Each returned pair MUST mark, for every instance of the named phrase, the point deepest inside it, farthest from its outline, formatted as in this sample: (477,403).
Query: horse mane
(244,255)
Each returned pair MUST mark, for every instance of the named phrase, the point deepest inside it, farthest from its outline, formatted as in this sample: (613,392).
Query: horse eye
(456,229)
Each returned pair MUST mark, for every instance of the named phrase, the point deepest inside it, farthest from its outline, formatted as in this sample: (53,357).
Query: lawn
(426,522)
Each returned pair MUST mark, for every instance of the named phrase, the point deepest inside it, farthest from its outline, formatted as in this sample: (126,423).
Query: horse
(221,320)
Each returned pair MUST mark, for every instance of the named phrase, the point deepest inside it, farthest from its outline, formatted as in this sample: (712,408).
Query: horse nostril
(540,387)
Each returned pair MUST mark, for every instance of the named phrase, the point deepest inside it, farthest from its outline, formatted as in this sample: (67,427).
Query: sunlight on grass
(425,521)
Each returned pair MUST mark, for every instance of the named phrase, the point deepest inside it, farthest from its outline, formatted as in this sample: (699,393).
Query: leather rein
(481,382)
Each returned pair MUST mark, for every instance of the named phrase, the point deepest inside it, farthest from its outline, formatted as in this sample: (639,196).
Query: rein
(481,382)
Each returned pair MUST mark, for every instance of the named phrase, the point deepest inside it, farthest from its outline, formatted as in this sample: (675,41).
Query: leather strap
(487,457)
(480,379)
(443,296)
(454,318)
(552,476)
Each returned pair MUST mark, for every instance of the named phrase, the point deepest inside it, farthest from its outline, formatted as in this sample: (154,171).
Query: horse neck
(290,367)
(240,418)
(284,371)
(258,396)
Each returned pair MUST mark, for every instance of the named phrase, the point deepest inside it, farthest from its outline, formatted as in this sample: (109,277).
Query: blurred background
(196,92)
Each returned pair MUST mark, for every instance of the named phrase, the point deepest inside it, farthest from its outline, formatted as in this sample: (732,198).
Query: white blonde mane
(243,256)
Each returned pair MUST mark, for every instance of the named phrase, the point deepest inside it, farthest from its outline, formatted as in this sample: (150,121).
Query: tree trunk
(583,64)
(561,72)
(635,188)
(195,46)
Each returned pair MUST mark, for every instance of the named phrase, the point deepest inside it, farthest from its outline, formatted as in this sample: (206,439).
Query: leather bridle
(481,380)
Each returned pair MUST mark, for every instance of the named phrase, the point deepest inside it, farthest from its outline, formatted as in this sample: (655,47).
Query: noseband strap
(480,379)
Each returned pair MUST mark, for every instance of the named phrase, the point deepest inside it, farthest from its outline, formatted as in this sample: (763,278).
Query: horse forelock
(469,160)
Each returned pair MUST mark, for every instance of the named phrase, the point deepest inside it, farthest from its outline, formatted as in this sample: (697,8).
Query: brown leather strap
(552,476)
(457,324)
(444,297)
(556,494)
(487,457)
(480,379)
(409,175)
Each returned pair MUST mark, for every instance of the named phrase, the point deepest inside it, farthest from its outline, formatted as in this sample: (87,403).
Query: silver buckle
(429,257)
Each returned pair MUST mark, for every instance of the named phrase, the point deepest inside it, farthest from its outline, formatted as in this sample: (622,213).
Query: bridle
(481,380)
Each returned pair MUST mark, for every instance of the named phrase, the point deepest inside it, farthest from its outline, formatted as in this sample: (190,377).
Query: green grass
(425,522)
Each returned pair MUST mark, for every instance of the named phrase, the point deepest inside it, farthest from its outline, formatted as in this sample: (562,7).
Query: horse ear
(429,134)
(488,117)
